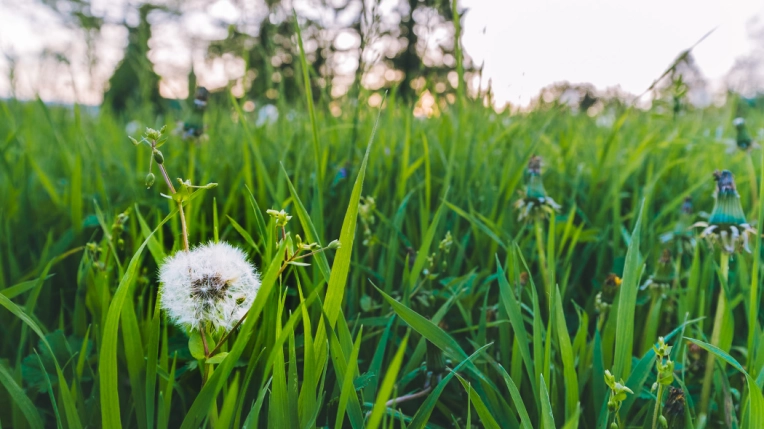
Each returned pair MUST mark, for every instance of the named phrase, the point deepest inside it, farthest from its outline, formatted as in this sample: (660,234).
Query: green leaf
(22,401)
(375,368)
(568,360)
(485,415)
(512,307)
(243,232)
(627,302)
(348,387)
(755,398)
(434,334)
(108,368)
(72,418)
(388,383)
(154,247)
(547,417)
(424,249)
(517,398)
(214,360)
(18,289)
(335,290)
(423,414)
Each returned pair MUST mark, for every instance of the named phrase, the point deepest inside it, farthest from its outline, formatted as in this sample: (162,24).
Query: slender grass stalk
(753,299)
(721,309)
(183,225)
(539,230)
(658,405)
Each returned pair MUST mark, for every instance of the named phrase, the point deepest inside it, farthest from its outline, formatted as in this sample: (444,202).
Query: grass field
(441,308)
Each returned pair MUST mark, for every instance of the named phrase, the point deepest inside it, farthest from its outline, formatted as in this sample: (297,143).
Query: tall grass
(357,338)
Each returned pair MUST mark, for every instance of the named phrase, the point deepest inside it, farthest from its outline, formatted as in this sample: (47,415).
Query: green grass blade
(485,415)
(20,398)
(514,312)
(70,410)
(624,337)
(425,411)
(547,417)
(311,234)
(335,290)
(348,388)
(151,364)
(424,249)
(755,399)
(108,368)
(517,398)
(386,388)
(568,360)
(434,334)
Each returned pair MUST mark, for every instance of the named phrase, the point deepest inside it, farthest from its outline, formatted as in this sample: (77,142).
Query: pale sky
(530,44)
(525,45)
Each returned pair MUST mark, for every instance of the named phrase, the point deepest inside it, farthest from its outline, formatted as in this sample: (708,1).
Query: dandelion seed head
(213,284)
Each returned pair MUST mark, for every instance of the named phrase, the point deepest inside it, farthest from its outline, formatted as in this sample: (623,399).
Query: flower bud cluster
(618,392)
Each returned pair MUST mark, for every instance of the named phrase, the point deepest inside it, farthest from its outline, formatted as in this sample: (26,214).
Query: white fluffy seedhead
(211,284)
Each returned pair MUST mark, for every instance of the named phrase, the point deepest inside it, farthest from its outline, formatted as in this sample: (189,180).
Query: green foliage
(432,264)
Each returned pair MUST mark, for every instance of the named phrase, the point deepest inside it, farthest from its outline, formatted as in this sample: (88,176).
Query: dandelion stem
(721,310)
(204,341)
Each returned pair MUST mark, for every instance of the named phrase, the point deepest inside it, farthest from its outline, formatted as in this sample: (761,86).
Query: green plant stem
(721,309)
(657,410)
(542,256)
(183,226)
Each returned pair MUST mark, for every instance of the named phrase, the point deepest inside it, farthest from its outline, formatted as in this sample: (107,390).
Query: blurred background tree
(408,46)
(134,80)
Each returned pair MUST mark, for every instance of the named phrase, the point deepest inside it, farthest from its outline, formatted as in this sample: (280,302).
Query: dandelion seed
(213,284)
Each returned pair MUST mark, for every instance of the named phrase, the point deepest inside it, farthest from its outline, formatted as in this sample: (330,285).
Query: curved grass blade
(107,369)
(547,417)
(423,414)
(755,404)
(486,417)
(335,290)
(387,386)
(20,398)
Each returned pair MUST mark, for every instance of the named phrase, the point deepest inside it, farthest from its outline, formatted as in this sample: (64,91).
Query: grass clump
(388,269)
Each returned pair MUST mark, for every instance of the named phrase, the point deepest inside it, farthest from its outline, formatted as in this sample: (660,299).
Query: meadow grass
(441,308)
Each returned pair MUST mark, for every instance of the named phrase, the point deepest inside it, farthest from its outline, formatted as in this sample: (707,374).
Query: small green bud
(153,134)
(662,420)
(158,157)
(281,217)
(150,180)
(611,405)
(614,425)
(121,243)
(334,244)
(135,142)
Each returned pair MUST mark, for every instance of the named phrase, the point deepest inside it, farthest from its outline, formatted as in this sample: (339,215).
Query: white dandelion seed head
(212,284)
